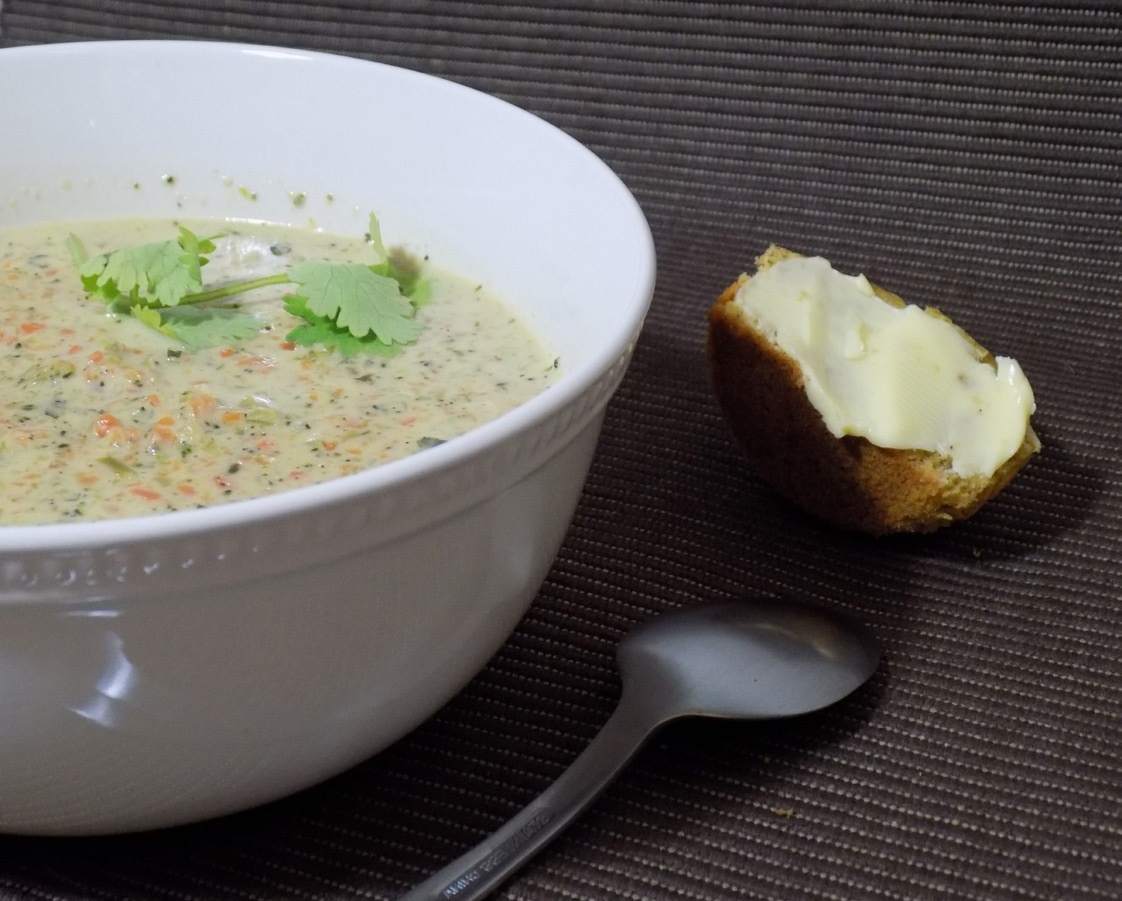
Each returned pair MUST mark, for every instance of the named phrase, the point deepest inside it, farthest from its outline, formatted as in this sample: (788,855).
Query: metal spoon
(753,661)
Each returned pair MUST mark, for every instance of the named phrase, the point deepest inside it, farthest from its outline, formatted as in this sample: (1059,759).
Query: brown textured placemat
(966,154)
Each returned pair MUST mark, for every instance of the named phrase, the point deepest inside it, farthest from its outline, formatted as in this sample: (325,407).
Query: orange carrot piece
(233,416)
(186,488)
(147,493)
(153,400)
(105,423)
(29,328)
(253,361)
(201,404)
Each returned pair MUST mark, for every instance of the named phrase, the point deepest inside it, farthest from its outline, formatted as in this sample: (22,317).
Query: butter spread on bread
(898,376)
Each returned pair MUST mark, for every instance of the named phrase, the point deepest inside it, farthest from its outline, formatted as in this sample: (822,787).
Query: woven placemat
(965,154)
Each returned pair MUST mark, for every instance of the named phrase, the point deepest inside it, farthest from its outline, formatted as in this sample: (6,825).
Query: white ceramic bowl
(165,669)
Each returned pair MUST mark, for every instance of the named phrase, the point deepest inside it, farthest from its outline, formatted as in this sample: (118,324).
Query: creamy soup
(105,417)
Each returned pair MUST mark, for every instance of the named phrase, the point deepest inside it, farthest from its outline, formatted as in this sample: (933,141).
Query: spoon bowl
(753,661)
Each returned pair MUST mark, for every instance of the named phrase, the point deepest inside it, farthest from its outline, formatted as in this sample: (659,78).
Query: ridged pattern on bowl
(263,547)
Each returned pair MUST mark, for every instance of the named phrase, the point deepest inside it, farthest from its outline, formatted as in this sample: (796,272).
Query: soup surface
(104,417)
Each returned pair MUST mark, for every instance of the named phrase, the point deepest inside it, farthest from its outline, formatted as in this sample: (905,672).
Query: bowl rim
(154,527)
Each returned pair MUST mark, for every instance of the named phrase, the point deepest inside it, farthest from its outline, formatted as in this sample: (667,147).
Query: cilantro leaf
(374,237)
(77,250)
(402,268)
(152,318)
(81,258)
(420,293)
(157,274)
(199,327)
(358,299)
(352,307)
(317,330)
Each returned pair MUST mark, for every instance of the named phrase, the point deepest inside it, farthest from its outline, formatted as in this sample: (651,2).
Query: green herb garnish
(119,467)
(350,307)
(159,274)
(318,330)
(356,298)
(261,416)
(200,327)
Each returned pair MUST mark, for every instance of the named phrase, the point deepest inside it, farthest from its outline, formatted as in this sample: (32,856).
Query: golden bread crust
(847,481)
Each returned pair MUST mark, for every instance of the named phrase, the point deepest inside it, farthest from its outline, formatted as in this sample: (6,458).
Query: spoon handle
(480,871)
